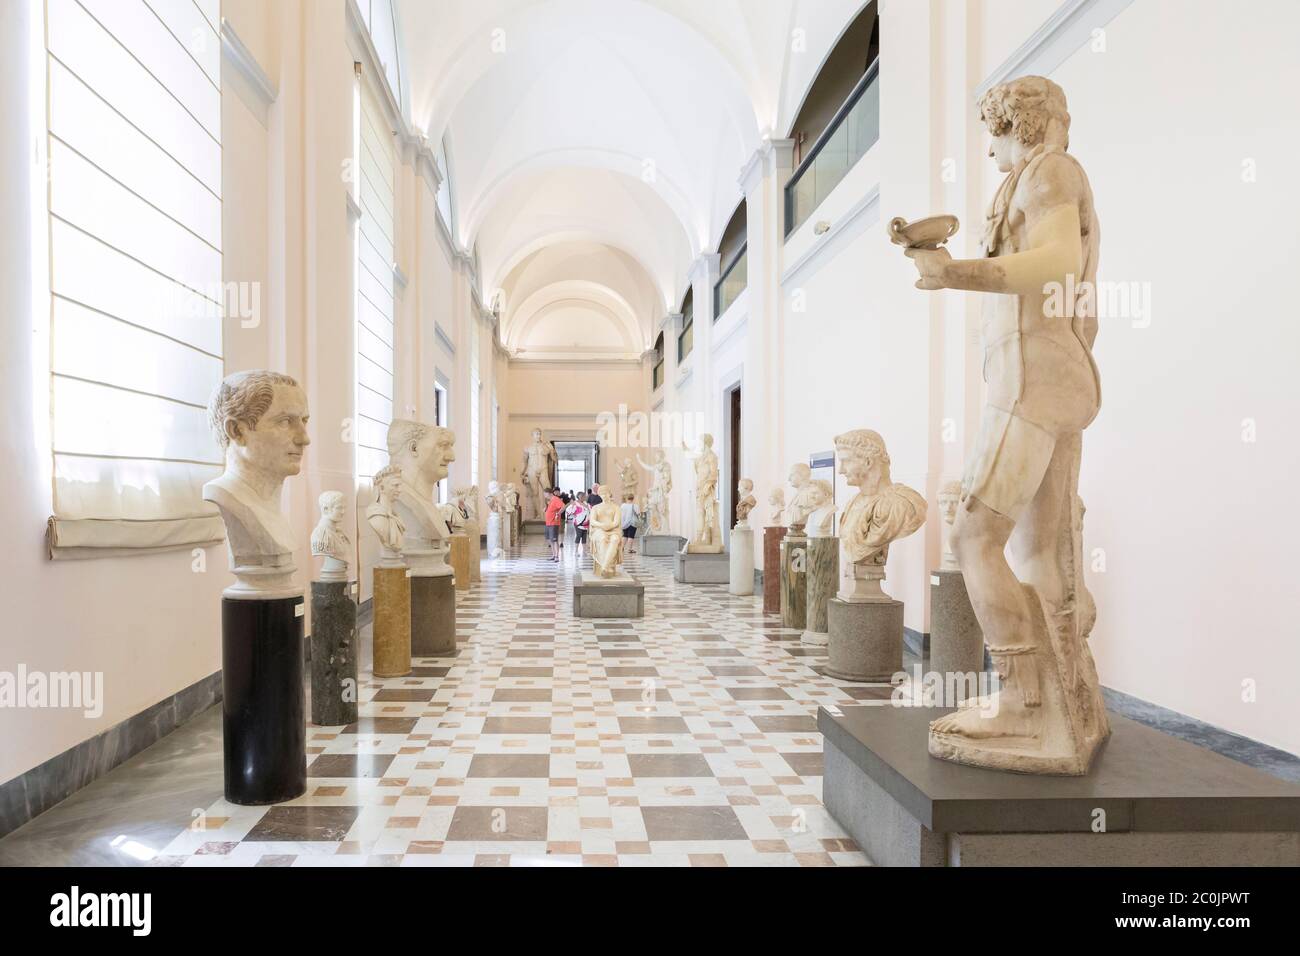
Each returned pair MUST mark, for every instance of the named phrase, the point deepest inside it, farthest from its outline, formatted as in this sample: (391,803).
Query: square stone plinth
(661,545)
(1161,801)
(619,596)
(702,568)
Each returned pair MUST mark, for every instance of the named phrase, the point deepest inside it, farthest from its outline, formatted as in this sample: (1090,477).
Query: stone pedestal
(619,596)
(742,560)
(495,528)
(433,616)
(823,578)
(534,526)
(333,654)
(956,641)
(516,527)
(691,567)
(460,560)
(1166,802)
(263,719)
(865,640)
(794,581)
(475,535)
(661,545)
(391,656)
(772,537)
(507,532)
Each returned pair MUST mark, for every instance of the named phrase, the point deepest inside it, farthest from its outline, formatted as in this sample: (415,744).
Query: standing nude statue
(1041,235)
(660,488)
(708,533)
(538,475)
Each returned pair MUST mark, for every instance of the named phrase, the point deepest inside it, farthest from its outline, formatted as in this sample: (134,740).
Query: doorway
(733,451)
(578,465)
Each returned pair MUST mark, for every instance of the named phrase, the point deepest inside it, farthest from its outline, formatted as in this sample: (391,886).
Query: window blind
(134,147)
(375,286)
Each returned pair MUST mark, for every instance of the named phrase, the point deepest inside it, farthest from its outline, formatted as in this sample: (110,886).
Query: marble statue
(383,518)
(776,501)
(538,474)
(1041,236)
(496,515)
(745,501)
(821,520)
(260,421)
(510,498)
(660,488)
(606,534)
(881,513)
(422,453)
(467,501)
(451,514)
(949,498)
(629,477)
(800,480)
(329,539)
(708,532)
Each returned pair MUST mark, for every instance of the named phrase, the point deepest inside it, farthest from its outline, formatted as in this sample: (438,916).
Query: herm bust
(260,421)
(745,502)
(329,540)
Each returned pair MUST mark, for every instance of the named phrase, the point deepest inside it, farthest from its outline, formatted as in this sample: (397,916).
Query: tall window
(731,284)
(686,338)
(375,316)
(475,398)
(134,146)
(496,416)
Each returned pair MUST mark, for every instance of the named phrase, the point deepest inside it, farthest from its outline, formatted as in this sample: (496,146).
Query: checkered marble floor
(687,738)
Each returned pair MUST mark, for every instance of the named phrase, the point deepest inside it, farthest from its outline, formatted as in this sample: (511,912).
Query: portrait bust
(329,539)
(383,518)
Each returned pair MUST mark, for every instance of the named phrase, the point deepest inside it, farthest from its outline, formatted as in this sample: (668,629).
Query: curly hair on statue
(1031,108)
(241,400)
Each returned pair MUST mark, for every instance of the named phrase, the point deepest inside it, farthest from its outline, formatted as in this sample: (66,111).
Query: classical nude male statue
(1020,490)
(708,533)
(260,421)
(538,474)
(660,488)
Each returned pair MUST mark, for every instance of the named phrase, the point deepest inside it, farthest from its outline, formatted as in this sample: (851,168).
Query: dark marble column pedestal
(794,581)
(433,616)
(264,727)
(772,536)
(392,631)
(333,654)
(956,641)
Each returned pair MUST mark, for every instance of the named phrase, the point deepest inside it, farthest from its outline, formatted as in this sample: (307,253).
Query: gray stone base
(661,545)
(334,654)
(1162,802)
(621,596)
(865,640)
(433,617)
(697,568)
(956,641)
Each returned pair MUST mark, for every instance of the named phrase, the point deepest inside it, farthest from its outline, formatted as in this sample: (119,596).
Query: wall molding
(734,329)
(1056,40)
(241,58)
(446,341)
(576,364)
(862,215)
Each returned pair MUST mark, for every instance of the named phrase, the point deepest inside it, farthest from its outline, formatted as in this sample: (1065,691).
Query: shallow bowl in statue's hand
(928,233)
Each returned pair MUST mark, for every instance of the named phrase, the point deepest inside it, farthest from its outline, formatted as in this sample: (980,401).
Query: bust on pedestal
(865,624)
(773,534)
(333,620)
(742,541)
(794,553)
(467,500)
(391,633)
(823,561)
(956,642)
(260,421)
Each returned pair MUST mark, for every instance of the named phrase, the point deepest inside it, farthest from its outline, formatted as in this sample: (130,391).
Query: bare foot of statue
(1013,711)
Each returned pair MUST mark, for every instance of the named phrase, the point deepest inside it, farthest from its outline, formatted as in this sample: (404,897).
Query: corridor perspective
(649,433)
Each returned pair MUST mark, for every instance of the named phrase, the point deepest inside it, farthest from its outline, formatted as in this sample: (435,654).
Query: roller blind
(134,140)
(375,286)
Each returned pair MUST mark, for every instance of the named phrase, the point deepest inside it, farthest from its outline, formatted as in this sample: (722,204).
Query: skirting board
(32,793)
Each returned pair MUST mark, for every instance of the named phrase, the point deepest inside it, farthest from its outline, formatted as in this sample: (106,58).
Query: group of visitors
(568,517)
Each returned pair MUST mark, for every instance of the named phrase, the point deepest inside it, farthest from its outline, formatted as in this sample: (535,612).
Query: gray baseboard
(32,793)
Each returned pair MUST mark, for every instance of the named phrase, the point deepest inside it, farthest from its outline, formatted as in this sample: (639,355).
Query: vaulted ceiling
(605,136)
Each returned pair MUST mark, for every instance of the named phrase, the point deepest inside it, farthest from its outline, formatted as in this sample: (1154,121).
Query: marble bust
(451,514)
(422,452)
(260,421)
(821,520)
(510,498)
(606,534)
(949,498)
(776,501)
(797,514)
(329,540)
(383,518)
(745,502)
(882,512)
(708,532)
(1020,493)
(467,501)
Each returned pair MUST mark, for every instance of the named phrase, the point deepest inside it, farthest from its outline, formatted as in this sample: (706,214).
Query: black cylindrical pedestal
(263,720)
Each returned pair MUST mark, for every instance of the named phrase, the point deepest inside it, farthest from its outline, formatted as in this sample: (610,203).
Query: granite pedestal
(956,641)
(459,557)
(661,545)
(794,581)
(433,616)
(741,579)
(475,536)
(865,640)
(1149,799)
(702,567)
(263,719)
(822,579)
(391,655)
(772,537)
(333,654)
(619,596)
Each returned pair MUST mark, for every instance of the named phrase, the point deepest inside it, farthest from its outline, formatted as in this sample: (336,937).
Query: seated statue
(606,532)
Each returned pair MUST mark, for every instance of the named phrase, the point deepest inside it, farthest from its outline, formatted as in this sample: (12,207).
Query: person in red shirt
(554,508)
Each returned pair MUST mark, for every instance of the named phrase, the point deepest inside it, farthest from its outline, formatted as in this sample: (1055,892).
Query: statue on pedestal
(1040,248)
(880,513)
(538,474)
(422,453)
(260,421)
(949,498)
(383,518)
(708,533)
(821,519)
(329,539)
(629,477)
(745,502)
(797,514)
(776,501)
(606,535)
(660,488)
